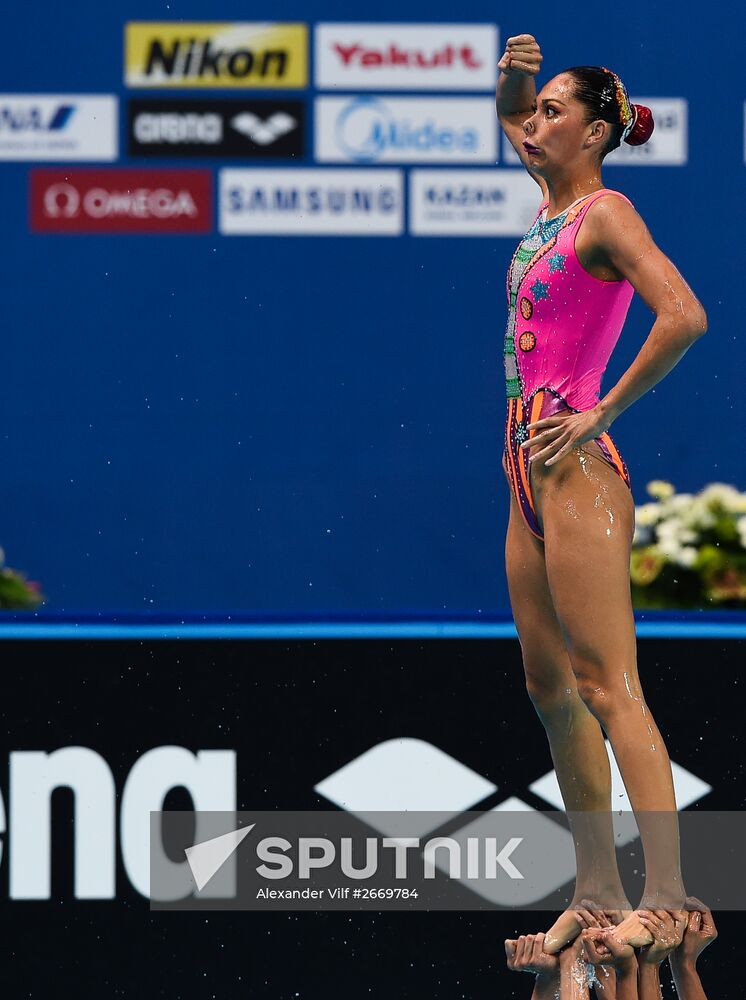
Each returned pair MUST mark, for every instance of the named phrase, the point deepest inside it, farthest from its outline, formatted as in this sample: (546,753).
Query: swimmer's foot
(568,925)
(632,931)
(564,930)
(663,900)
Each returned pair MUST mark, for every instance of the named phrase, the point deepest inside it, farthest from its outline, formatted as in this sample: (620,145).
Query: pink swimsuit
(563,324)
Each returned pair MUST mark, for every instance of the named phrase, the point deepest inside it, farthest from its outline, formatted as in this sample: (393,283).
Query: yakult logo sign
(368,129)
(406,56)
(91,201)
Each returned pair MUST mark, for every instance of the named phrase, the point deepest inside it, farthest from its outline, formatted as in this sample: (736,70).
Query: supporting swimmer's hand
(526,954)
(558,435)
(667,928)
(699,932)
(522,54)
(601,947)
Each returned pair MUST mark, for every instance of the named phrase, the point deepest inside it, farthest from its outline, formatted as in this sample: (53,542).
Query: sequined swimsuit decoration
(563,324)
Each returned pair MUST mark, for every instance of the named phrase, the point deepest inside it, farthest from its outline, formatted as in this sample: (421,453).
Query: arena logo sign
(209,776)
(91,201)
(216,128)
(368,129)
(406,56)
(215,54)
(311,202)
(412,774)
(58,127)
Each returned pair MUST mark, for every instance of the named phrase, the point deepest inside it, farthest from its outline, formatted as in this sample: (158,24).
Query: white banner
(667,146)
(373,129)
(472,202)
(311,202)
(406,56)
(42,127)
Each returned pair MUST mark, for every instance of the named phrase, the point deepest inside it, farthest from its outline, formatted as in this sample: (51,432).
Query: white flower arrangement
(689,550)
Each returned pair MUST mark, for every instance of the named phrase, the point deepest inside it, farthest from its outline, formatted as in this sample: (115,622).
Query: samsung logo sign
(311,202)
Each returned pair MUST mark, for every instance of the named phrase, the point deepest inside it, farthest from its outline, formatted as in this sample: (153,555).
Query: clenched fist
(522,54)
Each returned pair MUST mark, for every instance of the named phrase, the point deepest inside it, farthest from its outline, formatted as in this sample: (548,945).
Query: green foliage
(689,550)
(16,592)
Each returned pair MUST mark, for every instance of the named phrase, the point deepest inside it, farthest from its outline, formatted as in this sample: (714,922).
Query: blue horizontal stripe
(301,629)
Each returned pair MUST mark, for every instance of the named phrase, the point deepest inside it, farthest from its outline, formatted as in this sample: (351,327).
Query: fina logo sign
(372,129)
(58,127)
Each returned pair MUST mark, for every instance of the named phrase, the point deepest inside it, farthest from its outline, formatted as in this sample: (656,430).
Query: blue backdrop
(202,423)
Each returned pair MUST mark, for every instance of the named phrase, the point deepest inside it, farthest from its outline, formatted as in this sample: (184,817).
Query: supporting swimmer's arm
(573,971)
(688,984)
(618,232)
(700,932)
(526,954)
(649,982)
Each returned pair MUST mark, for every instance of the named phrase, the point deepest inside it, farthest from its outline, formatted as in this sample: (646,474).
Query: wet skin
(571,602)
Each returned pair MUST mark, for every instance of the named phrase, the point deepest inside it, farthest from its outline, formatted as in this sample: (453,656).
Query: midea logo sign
(208,775)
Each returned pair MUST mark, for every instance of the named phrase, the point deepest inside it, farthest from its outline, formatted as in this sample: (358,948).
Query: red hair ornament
(643,126)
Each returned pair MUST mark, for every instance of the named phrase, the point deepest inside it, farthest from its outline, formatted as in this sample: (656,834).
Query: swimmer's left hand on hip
(560,434)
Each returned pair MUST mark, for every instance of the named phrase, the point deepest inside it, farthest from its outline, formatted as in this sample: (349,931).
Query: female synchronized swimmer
(572,514)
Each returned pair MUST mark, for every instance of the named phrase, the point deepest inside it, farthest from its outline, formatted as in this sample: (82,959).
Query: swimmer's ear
(597,133)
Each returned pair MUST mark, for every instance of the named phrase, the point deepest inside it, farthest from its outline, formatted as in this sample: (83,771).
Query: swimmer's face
(559,130)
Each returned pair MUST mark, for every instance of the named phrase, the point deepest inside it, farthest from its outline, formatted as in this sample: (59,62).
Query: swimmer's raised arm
(516,93)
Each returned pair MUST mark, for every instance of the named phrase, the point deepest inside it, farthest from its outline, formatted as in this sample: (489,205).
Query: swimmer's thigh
(545,659)
(588,518)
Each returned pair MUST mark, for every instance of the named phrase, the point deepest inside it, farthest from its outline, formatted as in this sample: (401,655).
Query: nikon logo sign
(216,54)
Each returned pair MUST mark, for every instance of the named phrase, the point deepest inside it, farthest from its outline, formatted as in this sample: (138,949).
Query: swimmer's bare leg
(588,519)
(575,738)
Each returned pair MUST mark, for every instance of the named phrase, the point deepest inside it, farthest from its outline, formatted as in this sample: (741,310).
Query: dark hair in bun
(604,96)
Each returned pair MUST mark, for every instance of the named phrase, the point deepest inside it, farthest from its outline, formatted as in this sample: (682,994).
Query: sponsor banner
(668,145)
(406,56)
(58,127)
(254,128)
(311,202)
(121,201)
(216,54)
(471,202)
(373,129)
